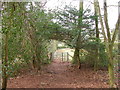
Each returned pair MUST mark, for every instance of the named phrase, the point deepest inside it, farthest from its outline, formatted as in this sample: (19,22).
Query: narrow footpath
(61,75)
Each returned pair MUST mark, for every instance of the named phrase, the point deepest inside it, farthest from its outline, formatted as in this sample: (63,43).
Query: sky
(112,9)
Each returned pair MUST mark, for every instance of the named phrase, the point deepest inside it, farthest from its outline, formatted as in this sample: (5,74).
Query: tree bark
(110,48)
(35,45)
(97,37)
(4,79)
(106,21)
(111,68)
(119,46)
(109,42)
(76,57)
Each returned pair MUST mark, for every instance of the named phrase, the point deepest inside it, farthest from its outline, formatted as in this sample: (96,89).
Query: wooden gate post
(67,56)
(62,56)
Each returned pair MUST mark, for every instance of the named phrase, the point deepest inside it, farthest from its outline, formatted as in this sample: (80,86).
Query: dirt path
(61,75)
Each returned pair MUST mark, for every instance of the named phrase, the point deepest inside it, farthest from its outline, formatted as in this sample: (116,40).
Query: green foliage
(27,30)
(12,25)
(91,56)
(30,28)
(68,19)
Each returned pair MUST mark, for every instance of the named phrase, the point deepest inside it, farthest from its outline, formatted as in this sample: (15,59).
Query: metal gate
(62,56)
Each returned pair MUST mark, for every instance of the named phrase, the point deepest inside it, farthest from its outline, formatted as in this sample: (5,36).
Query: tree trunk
(39,63)
(111,67)
(119,46)
(33,62)
(111,74)
(97,36)
(76,57)
(109,42)
(34,42)
(110,48)
(4,79)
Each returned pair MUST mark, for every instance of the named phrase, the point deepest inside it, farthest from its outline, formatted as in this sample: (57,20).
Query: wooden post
(52,55)
(67,56)
(62,56)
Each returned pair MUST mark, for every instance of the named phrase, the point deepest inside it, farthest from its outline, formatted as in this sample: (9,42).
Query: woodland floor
(60,75)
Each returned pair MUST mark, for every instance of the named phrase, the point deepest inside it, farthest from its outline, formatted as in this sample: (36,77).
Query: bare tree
(109,40)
